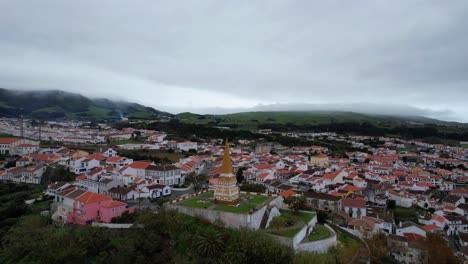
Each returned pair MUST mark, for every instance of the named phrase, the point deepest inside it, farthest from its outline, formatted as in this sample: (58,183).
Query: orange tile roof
(429,228)
(90,197)
(27,145)
(287,193)
(9,140)
(355,203)
(438,218)
(139,164)
(98,157)
(114,159)
(113,204)
(320,156)
(413,237)
(351,188)
(81,177)
(329,176)
(261,166)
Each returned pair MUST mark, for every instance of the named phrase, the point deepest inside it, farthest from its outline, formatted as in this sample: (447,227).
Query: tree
(378,247)
(438,250)
(58,173)
(210,243)
(252,188)
(197,180)
(296,203)
(322,216)
(391,204)
(277,222)
(444,155)
(240,175)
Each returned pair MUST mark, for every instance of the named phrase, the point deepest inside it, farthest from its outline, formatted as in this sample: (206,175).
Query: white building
(187,145)
(355,208)
(165,174)
(10,146)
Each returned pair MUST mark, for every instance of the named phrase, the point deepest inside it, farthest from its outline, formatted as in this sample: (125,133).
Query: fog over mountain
(389,57)
(365,108)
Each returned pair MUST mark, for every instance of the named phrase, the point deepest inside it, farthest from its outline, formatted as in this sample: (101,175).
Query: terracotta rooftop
(90,197)
(354,203)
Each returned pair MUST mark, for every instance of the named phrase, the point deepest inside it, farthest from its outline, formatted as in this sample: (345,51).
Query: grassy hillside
(59,104)
(434,131)
(254,120)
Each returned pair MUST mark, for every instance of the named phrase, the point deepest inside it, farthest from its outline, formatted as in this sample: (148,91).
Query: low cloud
(398,57)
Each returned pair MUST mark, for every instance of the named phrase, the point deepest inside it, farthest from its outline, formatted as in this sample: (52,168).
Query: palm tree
(210,243)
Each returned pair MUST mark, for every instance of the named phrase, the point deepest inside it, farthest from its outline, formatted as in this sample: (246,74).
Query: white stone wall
(273,213)
(234,220)
(320,246)
(304,232)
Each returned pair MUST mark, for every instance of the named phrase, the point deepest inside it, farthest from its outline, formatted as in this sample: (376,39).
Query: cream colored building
(320,160)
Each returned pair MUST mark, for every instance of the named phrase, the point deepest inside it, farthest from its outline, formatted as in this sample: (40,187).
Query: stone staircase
(265,217)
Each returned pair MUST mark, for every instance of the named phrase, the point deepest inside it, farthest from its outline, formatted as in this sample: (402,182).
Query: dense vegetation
(166,238)
(340,122)
(59,173)
(197,131)
(12,205)
(58,104)
(300,118)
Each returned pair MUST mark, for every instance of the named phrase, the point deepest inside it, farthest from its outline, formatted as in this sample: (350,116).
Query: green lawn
(407,149)
(126,141)
(320,232)
(256,199)
(197,201)
(405,214)
(299,220)
(286,232)
(464,145)
(347,241)
(243,207)
(304,217)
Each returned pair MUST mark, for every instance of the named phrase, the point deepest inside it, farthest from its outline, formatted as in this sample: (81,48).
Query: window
(113,210)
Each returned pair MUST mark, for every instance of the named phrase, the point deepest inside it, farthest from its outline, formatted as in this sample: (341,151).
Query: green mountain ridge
(55,104)
(254,120)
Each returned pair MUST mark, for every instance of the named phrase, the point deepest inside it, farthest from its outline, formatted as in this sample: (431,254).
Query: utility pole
(21,125)
(139,198)
(40,130)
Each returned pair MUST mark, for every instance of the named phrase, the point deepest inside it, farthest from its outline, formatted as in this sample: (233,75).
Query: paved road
(175,194)
(143,204)
(454,245)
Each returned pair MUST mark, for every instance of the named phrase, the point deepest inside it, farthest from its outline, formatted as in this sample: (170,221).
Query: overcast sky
(204,56)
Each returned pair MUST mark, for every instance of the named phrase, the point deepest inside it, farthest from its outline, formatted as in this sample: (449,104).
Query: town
(307,197)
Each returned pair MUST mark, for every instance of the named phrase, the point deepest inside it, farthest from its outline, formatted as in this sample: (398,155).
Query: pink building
(93,207)
(113,209)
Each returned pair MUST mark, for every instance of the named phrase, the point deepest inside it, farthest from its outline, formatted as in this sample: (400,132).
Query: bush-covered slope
(58,104)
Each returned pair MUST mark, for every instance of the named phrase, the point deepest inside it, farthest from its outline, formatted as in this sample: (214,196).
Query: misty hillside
(58,104)
(254,120)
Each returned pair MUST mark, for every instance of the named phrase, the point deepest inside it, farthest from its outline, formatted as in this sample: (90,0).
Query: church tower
(226,191)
